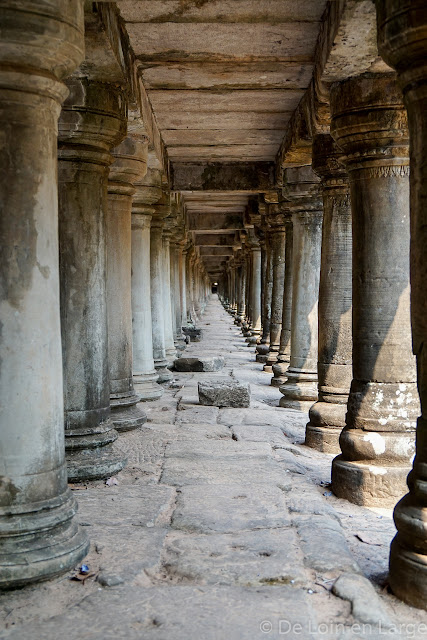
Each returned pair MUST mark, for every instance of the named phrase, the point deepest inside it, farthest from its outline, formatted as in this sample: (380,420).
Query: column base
(171,355)
(300,390)
(93,464)
(324,439)
(408,575)
(327,420)
(180,345)
(164,374)
(146,386)
(261,358)
(125,415)
(368,484)
(279,370)
(270,361)
(40,543)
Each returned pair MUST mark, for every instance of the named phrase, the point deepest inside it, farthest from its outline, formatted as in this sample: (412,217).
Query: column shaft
(39,538)
(402,29)
(334,367)
(283,359)
(369,124)
(302,191)
(267,278)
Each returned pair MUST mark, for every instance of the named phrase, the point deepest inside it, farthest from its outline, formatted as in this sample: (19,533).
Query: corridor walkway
(221,527)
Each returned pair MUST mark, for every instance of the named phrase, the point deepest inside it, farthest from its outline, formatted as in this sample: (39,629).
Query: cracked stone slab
(250,558)
(257,433)
(324,545)
(206,415)
(199,364)
(366,605)
(224,392)
(226,508)
(179,612)
(137,505)
(192,432)
(290,421)
(217,448)
(233,469)
(129,550)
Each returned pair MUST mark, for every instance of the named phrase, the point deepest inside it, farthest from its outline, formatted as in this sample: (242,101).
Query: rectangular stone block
(224,393)
(194,334)
(215,363)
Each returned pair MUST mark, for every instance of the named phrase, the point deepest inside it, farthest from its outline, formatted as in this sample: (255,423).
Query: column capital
(92,121)
(302,191)
(129,165)
(326,165)
(369,124)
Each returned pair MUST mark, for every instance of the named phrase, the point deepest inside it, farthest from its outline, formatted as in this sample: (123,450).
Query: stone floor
(221,527)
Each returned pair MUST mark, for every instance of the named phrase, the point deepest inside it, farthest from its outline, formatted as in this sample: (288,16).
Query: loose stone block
(194,334)
(199,364)
(224,393)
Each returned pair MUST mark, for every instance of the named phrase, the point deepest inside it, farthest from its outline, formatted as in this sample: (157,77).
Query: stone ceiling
(223,78)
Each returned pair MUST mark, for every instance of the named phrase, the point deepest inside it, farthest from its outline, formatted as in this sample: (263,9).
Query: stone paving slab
(225,508)
(181,613)
(234,469)
(138,505)
(283,418)
(256,433)
(199,432)
(250,558)
(218,449)
(207,415)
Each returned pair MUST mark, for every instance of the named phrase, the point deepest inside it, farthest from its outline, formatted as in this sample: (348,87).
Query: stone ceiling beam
(211,176)
(216,251)
(215,240)
(222,222)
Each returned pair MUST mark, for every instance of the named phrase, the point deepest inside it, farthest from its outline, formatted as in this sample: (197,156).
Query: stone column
(176,272)
(280,367)
(277,246)
(157,300)
(39,538)
(403,44)
(304,197)
(369,124)
(256,294)
(327,416)
(130,163)
(148,191)
(241,287)
(267,287)
(170,349)
(91,123)
(183,283)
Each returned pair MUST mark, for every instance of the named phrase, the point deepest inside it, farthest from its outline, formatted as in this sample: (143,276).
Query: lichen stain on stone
(8,491)
(44,270)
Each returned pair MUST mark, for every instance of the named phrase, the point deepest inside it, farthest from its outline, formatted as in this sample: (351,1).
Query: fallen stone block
(194,334)
(199,364)
(224,393)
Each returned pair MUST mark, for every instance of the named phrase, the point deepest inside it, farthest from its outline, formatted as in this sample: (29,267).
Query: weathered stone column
(157,300)
(176,276)
(183,283)
(170,349)
(256,293)
(39,539)
(327,416)
(280,367)
(93,120)
(402,31)
(130,163)
(369,124)
(267,288)
(241,288)
(277,247)
(148,191)
(303,193)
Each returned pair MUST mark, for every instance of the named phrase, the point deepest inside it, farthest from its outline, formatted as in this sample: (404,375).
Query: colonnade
(95,256)
(346,230)
(100,273)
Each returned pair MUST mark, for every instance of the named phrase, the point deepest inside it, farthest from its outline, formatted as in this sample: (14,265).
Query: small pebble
(109,579)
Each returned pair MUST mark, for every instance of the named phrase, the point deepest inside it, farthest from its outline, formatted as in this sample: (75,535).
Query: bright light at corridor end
(215,283)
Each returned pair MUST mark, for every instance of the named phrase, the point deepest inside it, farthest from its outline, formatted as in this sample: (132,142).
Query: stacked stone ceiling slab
(223,78)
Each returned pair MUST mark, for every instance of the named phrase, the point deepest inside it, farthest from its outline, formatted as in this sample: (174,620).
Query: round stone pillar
(170,349)
(327,416)
(369,124)
(91,123)
(267,288)
(39,538)
(130,163)
(303,193)
(157,300)
(256,294)
(145,376)
(277,246)
(402,29)
(183,283)
(284,357)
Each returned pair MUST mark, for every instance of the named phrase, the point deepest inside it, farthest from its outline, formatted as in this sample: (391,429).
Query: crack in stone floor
(221,527)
